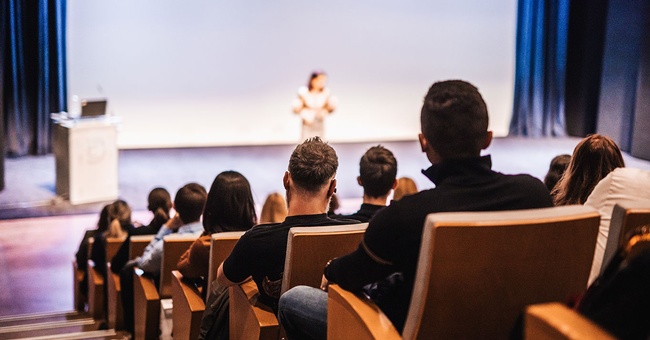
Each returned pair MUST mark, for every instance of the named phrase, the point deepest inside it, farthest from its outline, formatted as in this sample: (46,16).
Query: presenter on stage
(313,104)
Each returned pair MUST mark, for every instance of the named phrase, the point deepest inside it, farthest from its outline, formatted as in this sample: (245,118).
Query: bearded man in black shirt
(454,123)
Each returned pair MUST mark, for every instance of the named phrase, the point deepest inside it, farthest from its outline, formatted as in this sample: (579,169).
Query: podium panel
(86,161)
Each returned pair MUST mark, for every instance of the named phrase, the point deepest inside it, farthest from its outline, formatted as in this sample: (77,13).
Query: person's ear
(487,141)
(332,189)
(286,179)
(359,180)
(394,185)
(424,145)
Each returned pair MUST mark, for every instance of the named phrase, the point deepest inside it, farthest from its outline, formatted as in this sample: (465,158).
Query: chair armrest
(146,304)
(248,318)
(352,317)
(556,321)
(188,307)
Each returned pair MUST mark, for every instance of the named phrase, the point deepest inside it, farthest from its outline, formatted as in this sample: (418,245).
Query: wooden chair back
(173,247)
(221,245)
(137,245)
(309,249)
(555,321)
(625,217)
(478,271)
(112,246)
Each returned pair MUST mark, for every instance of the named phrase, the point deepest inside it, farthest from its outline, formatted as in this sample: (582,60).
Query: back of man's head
(159,198)
(189,202)
(377,171)
(313,164)
(454,119)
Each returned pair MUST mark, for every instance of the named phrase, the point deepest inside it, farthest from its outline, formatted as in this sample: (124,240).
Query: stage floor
(30,181)
(36,253)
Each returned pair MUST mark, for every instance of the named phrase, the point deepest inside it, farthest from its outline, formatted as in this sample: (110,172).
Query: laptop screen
(93,108)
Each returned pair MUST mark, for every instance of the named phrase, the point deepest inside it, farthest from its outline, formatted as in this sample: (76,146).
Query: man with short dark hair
(454,124)
(377,172)
(188,203)
(260,253)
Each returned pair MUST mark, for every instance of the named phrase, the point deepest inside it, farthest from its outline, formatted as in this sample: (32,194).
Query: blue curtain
(541,51)
(34,72)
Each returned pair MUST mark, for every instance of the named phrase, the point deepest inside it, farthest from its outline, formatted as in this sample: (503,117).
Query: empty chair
(555,321)
(308,250)
(187,301)
(476,273)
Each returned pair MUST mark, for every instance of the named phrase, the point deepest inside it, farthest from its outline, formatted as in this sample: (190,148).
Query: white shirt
(619,186)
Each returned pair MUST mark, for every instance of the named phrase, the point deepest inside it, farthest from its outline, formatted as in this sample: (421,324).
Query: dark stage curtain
(34,72)
(541,50)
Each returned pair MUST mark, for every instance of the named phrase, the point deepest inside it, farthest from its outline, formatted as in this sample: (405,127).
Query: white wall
(203,73)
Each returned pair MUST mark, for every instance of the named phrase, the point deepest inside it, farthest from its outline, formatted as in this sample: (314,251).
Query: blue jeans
(302,311)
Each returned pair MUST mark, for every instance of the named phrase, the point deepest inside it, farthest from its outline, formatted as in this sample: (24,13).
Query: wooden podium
(86,160)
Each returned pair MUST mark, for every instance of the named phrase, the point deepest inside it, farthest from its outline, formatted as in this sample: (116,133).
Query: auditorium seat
(81,300)
(187,301)
(308,250)
(625,217)
(115,313)
(147,297)
(96,281)
(477,272)
(555,321)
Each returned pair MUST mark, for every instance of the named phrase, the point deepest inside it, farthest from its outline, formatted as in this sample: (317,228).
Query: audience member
(159,203)
(377,172)
(230,207)
(260,253)
(623,185)
(188,203)
(619,300)
(556,170)
(82,253)
(274,209)
(118,215)
(593,158)
(405,186)
(454,122)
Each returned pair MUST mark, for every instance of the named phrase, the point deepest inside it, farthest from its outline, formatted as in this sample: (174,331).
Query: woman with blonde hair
(593,159)
(118,219)
(274,209)
(405,186)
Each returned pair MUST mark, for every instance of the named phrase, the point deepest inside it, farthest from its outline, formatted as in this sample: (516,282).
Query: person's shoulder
(343,220)
(303,90)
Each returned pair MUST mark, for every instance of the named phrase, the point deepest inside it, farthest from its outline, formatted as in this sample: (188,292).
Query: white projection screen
(224,72)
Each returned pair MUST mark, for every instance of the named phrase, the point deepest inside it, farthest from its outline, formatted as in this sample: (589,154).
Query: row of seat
(469,283)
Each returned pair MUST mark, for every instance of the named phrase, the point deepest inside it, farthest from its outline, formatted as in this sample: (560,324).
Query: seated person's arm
(224,281)
(373,259)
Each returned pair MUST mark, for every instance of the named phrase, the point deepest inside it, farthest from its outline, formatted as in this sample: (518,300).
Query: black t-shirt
(365,213)
(392,241)
(261,251)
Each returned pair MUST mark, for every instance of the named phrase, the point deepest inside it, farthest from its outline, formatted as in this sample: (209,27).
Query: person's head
(159,198)
(454,121)
(311,171)
(593,158)
(189,202)
(317,81)
(274,209)
(230,205)
(103,222)
(405,186)
(118,215)
(377,172)
(556,170)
